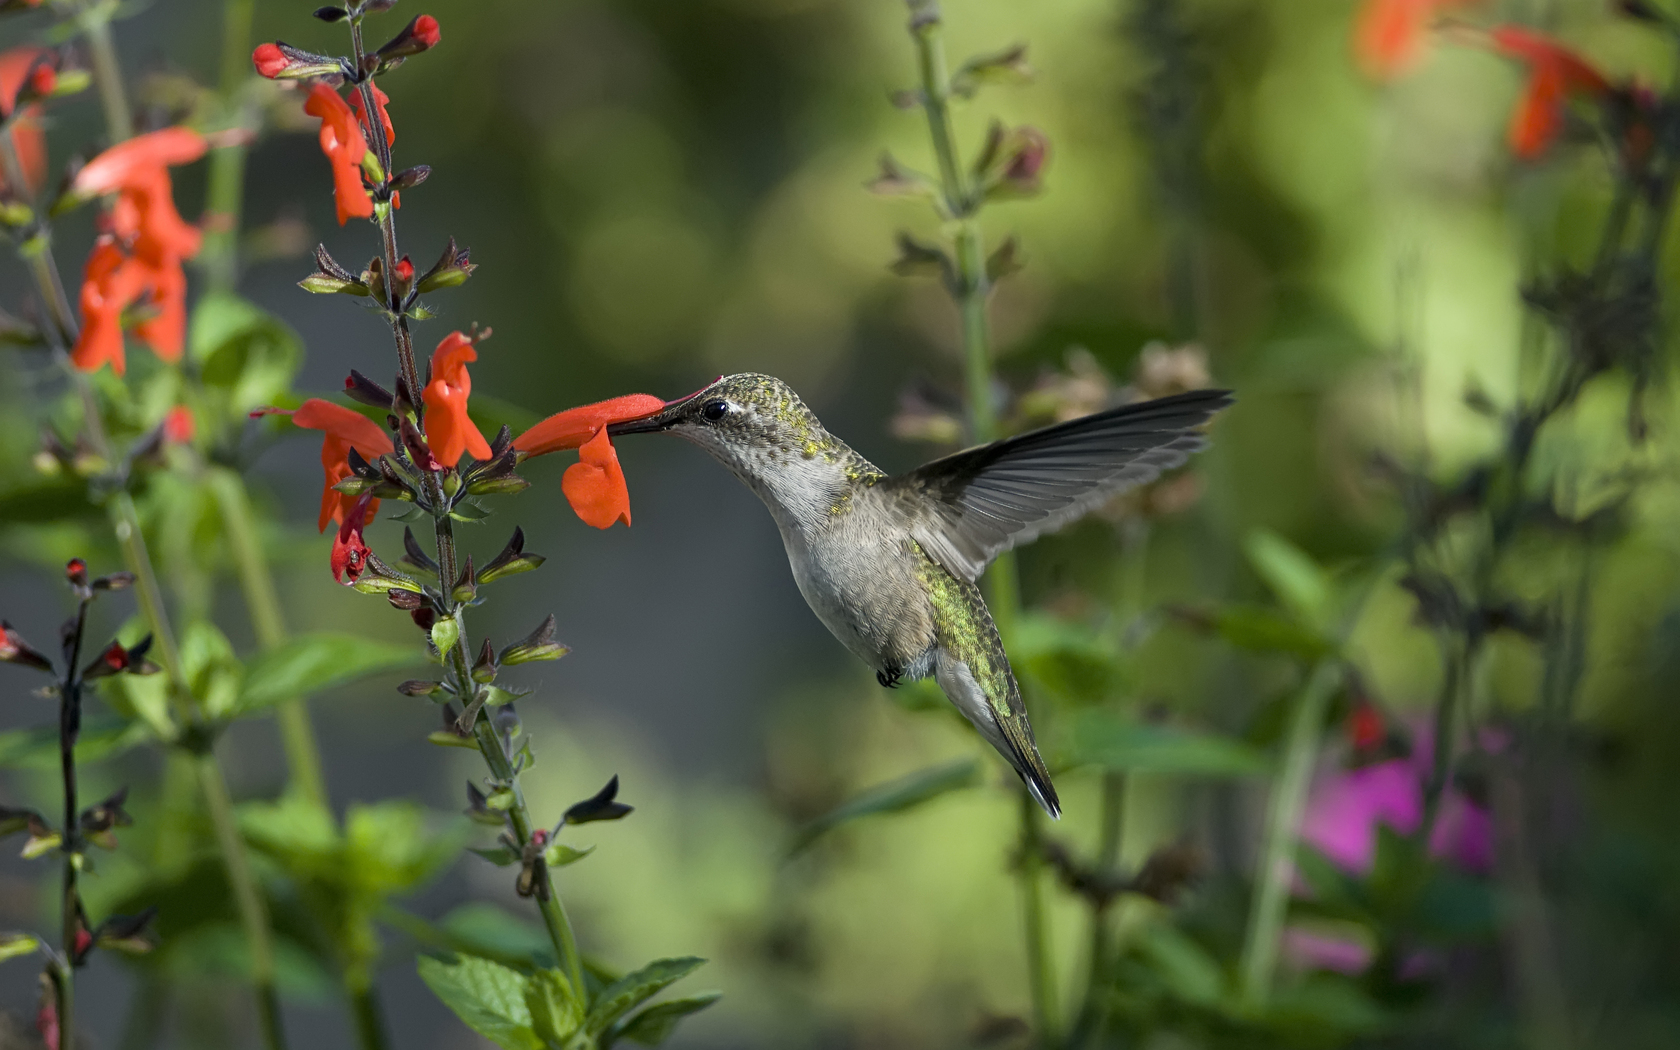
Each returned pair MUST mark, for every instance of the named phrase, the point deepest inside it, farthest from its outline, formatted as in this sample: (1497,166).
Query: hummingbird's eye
(714,411)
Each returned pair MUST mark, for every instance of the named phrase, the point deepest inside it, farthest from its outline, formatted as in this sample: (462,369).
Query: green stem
(225,192)
(1003,588)
(548,901)
(107,73)
(1041,980)
(248,899)
(1283,824)
(370,1018)
(69,723)
(262,601)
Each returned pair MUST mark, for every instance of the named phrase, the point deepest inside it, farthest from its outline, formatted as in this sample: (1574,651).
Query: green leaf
(1263,630)
(558,854)
(246,353)
(1099,737)
(1293,576)
(893,797)
(629,991)
(500,856)
(488,997)
(212,670)
(556,1012)
(101,737)
(655,1024)
(43,502)
(314,662)
(13,945)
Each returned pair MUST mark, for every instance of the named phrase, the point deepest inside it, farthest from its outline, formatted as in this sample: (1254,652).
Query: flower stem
(1283,825)
(297,735)
(973,287)
(69,725)
(253,910)
(95,20)
(490,744)
(370,1019)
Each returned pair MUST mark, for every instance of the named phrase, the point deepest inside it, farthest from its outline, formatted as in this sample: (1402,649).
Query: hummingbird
(890,564)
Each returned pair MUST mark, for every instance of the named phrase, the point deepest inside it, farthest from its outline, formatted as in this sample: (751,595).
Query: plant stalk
(253,910)
(69,726)
(489,742)
(1003,588)
(95,21)
(225,192)
(370,1018)
(262,601)
(1283,826)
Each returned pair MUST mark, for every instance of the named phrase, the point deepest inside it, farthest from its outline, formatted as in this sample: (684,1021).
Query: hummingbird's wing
(988,499)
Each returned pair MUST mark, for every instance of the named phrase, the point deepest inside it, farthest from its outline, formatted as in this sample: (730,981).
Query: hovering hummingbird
(889,564)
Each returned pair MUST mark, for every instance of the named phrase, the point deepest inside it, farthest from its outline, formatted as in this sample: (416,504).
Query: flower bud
(422,34)
(282,61)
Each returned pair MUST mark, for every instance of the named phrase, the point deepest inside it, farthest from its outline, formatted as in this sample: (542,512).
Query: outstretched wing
(988,499)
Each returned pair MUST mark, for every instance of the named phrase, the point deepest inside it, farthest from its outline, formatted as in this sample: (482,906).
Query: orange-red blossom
(1555,74)
(143,252)
(595,484)
(28,142)
(345,146)
(1390,36)
(449,430)
(345,429)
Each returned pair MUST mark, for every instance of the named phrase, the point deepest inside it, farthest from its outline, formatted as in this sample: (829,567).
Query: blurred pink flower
(1346,805)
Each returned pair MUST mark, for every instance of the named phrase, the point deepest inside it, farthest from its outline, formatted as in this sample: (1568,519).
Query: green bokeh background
(660,192)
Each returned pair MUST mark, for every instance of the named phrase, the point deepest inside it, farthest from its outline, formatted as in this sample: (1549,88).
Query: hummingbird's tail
(1004,723)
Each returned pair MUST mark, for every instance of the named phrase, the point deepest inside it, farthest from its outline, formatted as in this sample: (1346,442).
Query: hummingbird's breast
(861,579)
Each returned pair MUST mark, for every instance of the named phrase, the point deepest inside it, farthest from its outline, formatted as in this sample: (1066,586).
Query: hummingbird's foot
(889,678)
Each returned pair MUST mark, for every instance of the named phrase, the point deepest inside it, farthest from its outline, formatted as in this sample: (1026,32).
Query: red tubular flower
(269,60)
(29,143)
(1391,36)
(350,553)
(1555,74)
(157,239)
(449,430)
(595,484)
(342,142)
(380,99)
(110,282)
(345,429)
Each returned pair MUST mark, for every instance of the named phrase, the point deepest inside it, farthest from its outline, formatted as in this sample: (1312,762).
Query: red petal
(1539,114)
(14,69)
(595,484)
(118,166)
(1390,35)
(573,427)
(345,424)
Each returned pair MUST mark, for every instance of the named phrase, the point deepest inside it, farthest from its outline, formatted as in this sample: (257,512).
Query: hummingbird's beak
(662,420)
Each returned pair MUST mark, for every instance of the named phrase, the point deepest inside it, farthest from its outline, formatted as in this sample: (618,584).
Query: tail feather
(1010,734)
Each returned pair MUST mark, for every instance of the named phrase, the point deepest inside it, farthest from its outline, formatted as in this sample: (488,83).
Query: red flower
(157,239)
(350,553)
(449,430)
(1555,74)
(379,100)
(178,425)
(595,484)
(18,67)
(342,142)
(110,282)
(1390,35)
(269,60)
(346,429)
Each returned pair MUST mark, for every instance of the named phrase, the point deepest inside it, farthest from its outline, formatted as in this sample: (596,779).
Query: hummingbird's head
(742,415)
(760,429)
